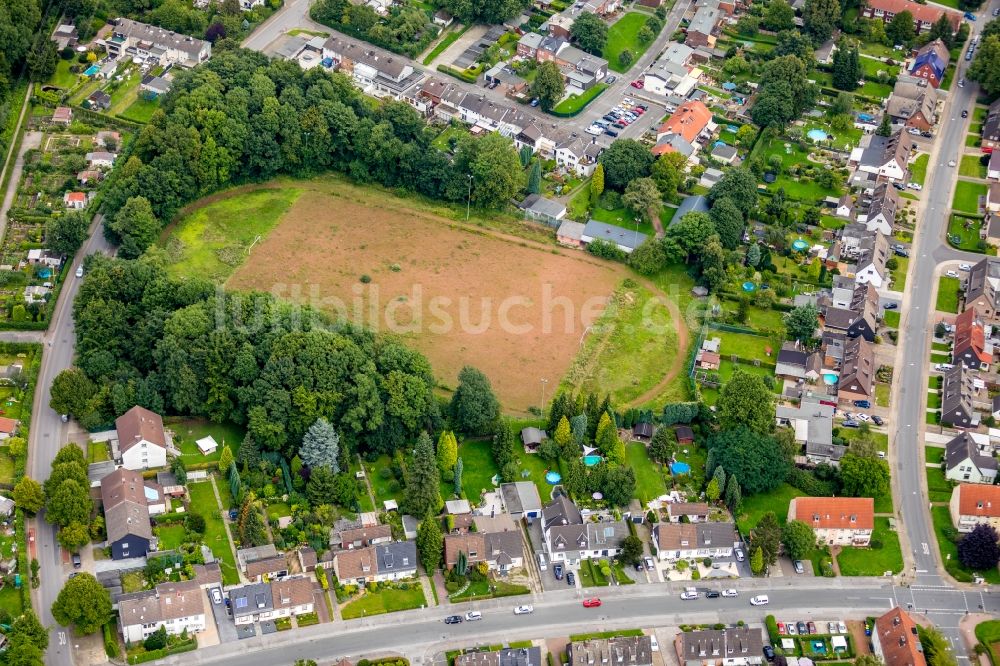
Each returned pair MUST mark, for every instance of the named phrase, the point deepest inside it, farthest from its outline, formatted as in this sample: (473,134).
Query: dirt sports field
(460,295)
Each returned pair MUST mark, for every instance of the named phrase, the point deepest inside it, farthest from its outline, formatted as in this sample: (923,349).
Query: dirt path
(30,140)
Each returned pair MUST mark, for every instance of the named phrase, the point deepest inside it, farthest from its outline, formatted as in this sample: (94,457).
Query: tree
(625,160)
(728,221)
(884,126)
(423,492)
(597,184)
(753,255)
(986,65)
(798,538)
(936,648)
(802,322)
(74,536)
(534,177)
(631,551)
(495,168)
(28,628)
(225,459)
(64,234)
(321,446)
(43,59)
(779,16)
(84,603)
(457,477)
(447,451)
(900,29)
(474,407)
(712,491)
(978,550)
(28,495)
(746,401)
(941,29)
(590,33)
(322,485)
(754,458)
(864,477)
(668,173)
(626,58)
(641,195)
(179,470)
(847,70)
(685,239)
(745,135)
(134,227)
(784,92)
(649,258)
(734,497)
(820,17)
(563,436)
(72,392)
(767,537)
(548,85)
(156,640)
(68,503)
(661,447)
(757,561)
(503,447)
(867,660)
(739,185)
(430,544)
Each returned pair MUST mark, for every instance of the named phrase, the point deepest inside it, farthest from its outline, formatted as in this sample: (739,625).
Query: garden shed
(207,445)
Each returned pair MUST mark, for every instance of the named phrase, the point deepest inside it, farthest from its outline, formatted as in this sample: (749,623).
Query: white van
(541,562)
(759,600)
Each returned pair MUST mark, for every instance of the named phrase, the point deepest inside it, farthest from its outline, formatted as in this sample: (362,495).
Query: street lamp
(468,202)
(544,382)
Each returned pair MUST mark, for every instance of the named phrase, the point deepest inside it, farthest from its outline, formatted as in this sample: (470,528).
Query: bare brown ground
(483,296)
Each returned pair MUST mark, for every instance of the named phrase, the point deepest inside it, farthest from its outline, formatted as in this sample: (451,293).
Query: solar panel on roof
(241,602)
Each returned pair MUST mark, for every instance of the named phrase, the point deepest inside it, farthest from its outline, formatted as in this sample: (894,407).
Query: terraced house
(837,521)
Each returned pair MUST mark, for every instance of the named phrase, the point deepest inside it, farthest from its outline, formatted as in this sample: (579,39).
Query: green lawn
(384,485)
(622,217)
(918,170)
(972,166)
(443,140)
(963,233)
(204,503)
(934,454)
(899,274)
(489,589)
(934,400)
(795,188)
(189,431)
(212,241)
(624,35)
(873,561)
(949,551)
(648,478)
(533,468)
(972,140)
(755,506)
(882,394)
(967,196)
(745,345)
(849,435)
(387,600)
(938,487)
(574,104)
(988,634)
(62,77)
(277,510)
(141,110)
(478,468)
(171,536)
(947,296)
(448,40)
(891,318)
(6,465)
(10,599)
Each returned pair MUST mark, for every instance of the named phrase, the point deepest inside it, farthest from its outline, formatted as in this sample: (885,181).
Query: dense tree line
(405,30)
(483,11)
(242,118)
(181,347)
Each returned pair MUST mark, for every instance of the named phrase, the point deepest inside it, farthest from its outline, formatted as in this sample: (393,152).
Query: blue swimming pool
(829,378)
(816,135)
(798,245)
(90,71)
(552,478)
(590,461)
(749,286)
(680,467)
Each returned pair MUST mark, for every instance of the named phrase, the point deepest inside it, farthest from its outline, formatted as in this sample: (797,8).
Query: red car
(781,627)
(591,603)
(637,84)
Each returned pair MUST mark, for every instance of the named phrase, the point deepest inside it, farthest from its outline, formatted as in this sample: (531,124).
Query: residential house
(671,73)
(970,345)
(625,240)
(99,101)
(570,538)
(966,460)
(859,318)
(522,656)
(75,200)
(520,499)
(693,512)
(857,374)
(126,514)
(845,207)
(133,39)
(916,111)
(63,115)
(972,504)
(578,155)
(931,62)
(872,255)
(837,521)
(884,156)
(545,210)
(675,541)
(734,646)
(8,427)
(724,153)
(7,506)
(382,562)
(376,71)
(895,641)
(359,536)
(882,207)
(570,233)
(812,422)
(695,203)
(177,606)
(924,16)
(991,128)
(686,123)
(142,441)
(795,364)
(993,166)
(100,158)
(993,198)
(956,398)
(92,176)
(532,438)
(982,286)
(108,139)
(502,551)
(262,562)
(65,35)
(702,32)
(36,293)
(527,46)
(443,18)
(271,601)
(154,85)
(616,651)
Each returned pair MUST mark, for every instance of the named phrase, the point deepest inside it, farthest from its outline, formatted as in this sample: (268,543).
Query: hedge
(772,630)
(153,655)
(110,641)
(457,73)
(165,518)
(307,619)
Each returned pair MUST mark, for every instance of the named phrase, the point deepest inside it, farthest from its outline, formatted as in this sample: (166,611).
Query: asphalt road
(48,434)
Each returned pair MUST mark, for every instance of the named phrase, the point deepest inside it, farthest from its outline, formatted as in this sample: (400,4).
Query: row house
(837,521)
(615,651)
(924,16)
(970,346)
(991,128)
(703,29)
(957,394)
(678,541)
(130,38)
(881,207)
(973,504)
(682,130)
(501,551)
(913,104)
(179,607)
(376,71)
(968,458)
(382,562)
(883,156)
(860,316)
(981,288)
(271,601)
(570,538)
(857,372)
(733,646)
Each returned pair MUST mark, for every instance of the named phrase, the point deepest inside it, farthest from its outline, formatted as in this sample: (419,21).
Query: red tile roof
(979,500)
(922,13)
(688,121)
(969,335)
(897,636)
(857,513)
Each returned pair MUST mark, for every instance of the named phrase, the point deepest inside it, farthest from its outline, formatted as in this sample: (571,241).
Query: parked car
(951,163)
(79,271)
(996,12)
(557,570)
(611,79)
(594,130)
(790,627)
(653,644)
(781,627)
(77,563)
(591,603)
(759,600)
(799,567)
(731,592)
(739,555)
(650,564)
(964,267)
(862,417)
(611,132)
(914,131)
(712,594)
(953,274)
(965,113)
(534,102)
(842,627)
(802,627)
(453,619)
(970,16)
(768,653)
(863,404)
(637,84)
(570,578)
(849,423)
(961,83)
(891,306)
(812,627)
(473,616)
(688,595)
(927,134)
(216,595)
(878,420)
(832,627)
(524,610)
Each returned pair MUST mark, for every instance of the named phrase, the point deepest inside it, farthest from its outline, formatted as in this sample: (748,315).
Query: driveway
(225,629)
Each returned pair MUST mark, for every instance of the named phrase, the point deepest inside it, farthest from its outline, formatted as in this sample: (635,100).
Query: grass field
(387,600)
(6,465)
(277,510)
(576,103)
(967,196)
(171,536)
(968,238)
(214,239)
(790,156)
(648,478)
(934,454)
(755,506)
(203,502)
(918,170)
(938,487)
(947,296)
(891,318)
(949,551)
(459,295)
(988,634)
(478,468)
(384,485)
(899,274)
(745,345)
(873,561)
(624,35)
(188,431)
(140,110)
(972,166)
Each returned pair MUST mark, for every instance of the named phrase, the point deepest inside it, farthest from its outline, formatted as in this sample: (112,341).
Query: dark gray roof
(520,496)
(561,511)
(396,557)
(613,234)
(714,644)
(964,447)
(251,599)
(692,204)
(832,451)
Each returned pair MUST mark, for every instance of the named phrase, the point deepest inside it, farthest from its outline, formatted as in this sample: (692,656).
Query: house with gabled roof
(679,541)
(857,374)
(501,551)
(884,156)
(570,538)
(733,646)
(991,128)
(179,607)
(967,460)
(881,213)
(957,393)
(126,514)
(970,345)
(142,441)
(973,504)
(837,521)
(931,62)
(895,641)
(924,16)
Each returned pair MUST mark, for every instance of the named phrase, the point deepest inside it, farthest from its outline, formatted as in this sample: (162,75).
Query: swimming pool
(799,244)
(749,286)
(90,71)
(590,461)
(829,378)
(816,135)
(552,478)
(680,467)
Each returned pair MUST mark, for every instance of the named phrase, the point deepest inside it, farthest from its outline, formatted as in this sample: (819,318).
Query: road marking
(62,638)
(927,550)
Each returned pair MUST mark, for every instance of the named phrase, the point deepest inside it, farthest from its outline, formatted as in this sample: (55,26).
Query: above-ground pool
(590,461)
(749,286)
(90,71)
(45,273)
(552,478)
(816,135)
(680,467)
(798,244)
(829,378)
(729,85)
